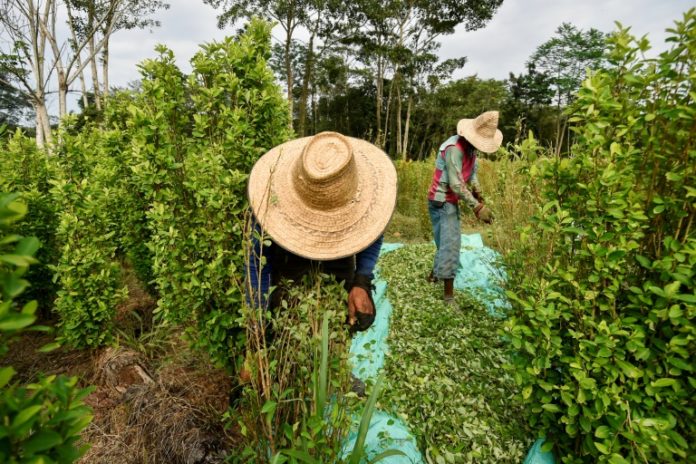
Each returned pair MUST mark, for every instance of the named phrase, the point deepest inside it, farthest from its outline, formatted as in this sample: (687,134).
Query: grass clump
(506,187)
(445,369)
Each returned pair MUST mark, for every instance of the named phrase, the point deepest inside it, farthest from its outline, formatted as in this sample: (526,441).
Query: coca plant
(87,195)
(603,330)
(41,421)
(194,139)
(27,170)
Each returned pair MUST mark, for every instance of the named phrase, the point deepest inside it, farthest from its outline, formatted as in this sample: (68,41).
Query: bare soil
(155,400)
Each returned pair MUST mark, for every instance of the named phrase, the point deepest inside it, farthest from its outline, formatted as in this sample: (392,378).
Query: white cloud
(520,26)
(501,47)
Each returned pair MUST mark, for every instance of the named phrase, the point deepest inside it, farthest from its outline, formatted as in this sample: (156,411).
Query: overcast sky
(501,47)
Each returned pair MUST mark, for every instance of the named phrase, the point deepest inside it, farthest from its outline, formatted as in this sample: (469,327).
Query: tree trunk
(40,141)
(38,44)
(93,58)
(288,75)
(387,113)
(404,145)
(95,74)
(62,95)
(83,87)
(81,75)
(105,69)
(43,124)
(399,150)
(304,96)
(560,132)
(378,101)
(424,138)
(315,109)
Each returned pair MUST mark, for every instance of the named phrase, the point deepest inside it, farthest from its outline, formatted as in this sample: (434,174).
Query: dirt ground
(154,399)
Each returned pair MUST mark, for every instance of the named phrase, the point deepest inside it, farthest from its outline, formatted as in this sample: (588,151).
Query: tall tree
(528,105)
(14,104)
(289,14)
(566,56)
(442,105)
(116,15)
(69,65)
(564,59)
(327,22)
(401,34)
(21,24)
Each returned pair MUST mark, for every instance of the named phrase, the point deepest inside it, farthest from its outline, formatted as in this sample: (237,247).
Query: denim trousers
(447,234)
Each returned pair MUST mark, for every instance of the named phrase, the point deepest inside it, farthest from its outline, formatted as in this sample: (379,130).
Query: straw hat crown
(323,197)
(482,132)
(325,175)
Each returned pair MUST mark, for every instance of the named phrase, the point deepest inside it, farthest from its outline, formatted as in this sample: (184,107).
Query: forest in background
(366,69)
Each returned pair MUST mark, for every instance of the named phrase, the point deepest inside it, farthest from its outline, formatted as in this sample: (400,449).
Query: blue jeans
(448,239)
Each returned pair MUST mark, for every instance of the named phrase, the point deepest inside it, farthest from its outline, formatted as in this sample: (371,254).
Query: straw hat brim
(322,234)
(466,129)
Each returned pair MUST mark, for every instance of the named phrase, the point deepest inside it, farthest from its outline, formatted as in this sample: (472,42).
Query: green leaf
(302,456)
(671,289)
(629,369)
(269,406)
(359,449)
(269,409)
(547,446)
(24,415)
(14,286)
(664,382)
(47,348)
(602,448)
(675,312)
(645,262)
(41,441)
(17,321)
(387,454)
(27,246)
(588,383)
(6,374)
(17,260)
(618,459)
(10,239)
(30,308)
(322,387)
(551,407)
(602,432)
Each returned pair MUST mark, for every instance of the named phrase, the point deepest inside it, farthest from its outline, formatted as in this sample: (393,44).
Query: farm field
(129,329)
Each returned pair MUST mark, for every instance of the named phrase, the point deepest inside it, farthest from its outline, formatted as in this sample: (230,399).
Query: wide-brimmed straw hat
(323,197)
(482,132)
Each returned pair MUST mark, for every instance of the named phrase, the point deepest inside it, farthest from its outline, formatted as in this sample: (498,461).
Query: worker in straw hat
(455,181)
(324,201)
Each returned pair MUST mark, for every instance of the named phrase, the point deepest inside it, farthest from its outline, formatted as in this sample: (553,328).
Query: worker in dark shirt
(324,202)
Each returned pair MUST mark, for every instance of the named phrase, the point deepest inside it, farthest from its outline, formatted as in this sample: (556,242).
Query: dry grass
(512,198)
(410,222)
(171,416)
(155,400)
(505,186)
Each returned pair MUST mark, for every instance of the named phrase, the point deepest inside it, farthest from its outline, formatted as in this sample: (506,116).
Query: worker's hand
(361,311)
(483,213)
(476,194)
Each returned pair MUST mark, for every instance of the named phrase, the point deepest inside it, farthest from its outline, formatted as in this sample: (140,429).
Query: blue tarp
(481,276)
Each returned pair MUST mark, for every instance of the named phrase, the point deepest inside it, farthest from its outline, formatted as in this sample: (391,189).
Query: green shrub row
(194,139)
(40,422)
(26,171)
(159,185)
(604,325)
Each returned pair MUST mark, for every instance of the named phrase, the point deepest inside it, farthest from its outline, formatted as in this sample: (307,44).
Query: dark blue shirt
(259,276)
